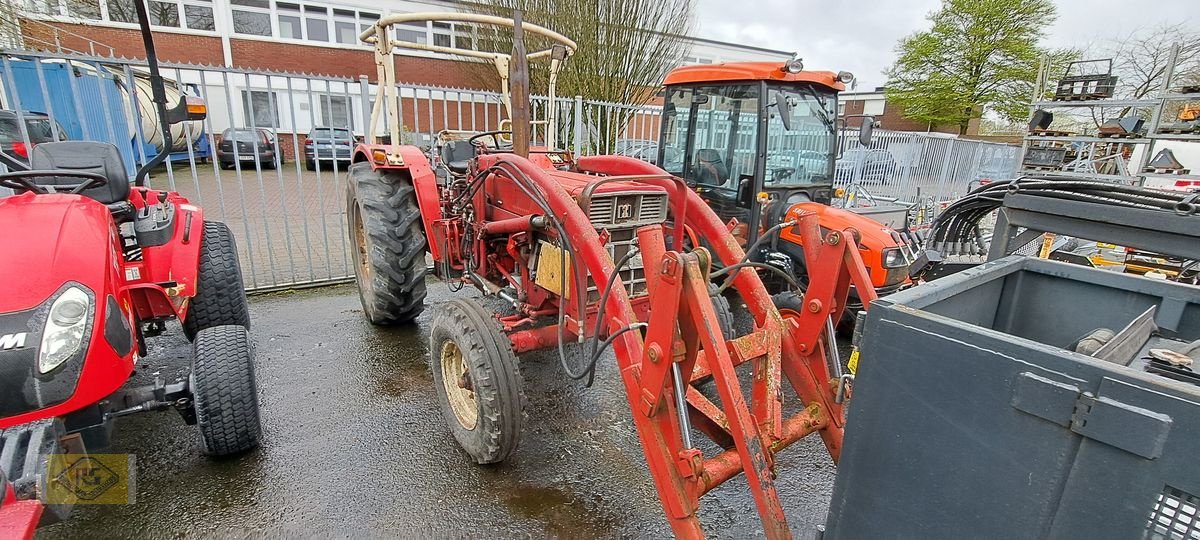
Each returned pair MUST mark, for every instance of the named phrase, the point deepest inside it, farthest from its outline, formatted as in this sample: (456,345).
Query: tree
(979,55)
(625,48)
(1140,59)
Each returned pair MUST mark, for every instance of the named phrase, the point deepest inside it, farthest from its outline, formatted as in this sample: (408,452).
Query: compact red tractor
(580,249)
(93,268)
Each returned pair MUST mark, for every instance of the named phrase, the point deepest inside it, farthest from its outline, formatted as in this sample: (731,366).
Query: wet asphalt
(355,446)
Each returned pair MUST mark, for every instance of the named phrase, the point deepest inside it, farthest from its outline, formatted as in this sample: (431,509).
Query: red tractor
(578,249)
(95,268)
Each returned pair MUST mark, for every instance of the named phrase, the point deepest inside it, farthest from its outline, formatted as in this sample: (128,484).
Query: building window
(316,23)
(464,36)
(345,26)
(441,34)
(413,32)
(335,112)
(199,17)
(84,9)
(252,17)
(260,108)
(163,13)
(122,11)
(366,19)
(288,18)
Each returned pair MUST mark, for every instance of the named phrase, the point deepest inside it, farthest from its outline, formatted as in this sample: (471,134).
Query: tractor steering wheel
(22,180)
(494,135)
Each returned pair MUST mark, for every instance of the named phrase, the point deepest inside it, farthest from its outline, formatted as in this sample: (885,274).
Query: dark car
(865,165)
(327,145)
(14,148)
(253,144)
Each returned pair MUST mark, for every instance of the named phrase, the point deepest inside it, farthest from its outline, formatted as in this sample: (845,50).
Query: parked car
(327,145)
(14,150)
(865,165)
(259,144)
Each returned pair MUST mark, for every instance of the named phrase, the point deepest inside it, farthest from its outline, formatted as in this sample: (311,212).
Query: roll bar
(380,36)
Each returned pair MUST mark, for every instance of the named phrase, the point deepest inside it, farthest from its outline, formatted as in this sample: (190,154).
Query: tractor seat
(457,156)
(87,156)
(711,167)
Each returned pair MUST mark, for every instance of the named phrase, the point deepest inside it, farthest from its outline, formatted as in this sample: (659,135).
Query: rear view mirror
(866,131)
(785,110)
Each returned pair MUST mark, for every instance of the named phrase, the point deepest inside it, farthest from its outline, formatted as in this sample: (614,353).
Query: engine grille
(627,209)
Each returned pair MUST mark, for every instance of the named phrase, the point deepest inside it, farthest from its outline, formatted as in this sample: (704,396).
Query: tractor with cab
(96,268)
(759,140)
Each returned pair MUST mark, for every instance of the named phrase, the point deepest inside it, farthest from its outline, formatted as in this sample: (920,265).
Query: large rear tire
(220,295)
(387,241)
(224,393)
(477,379)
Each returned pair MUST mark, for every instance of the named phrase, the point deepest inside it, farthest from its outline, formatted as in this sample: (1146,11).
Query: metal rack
(1085,148)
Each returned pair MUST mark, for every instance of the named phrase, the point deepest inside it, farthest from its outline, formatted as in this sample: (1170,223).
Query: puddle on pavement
(565,514)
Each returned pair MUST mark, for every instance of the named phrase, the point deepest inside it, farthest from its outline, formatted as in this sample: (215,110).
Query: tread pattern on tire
(496,378)
(220,294)
(224,392)
(724,312)
(387,204)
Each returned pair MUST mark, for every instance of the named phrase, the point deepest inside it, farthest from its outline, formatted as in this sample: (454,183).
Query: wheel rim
(461,396)
(360,248)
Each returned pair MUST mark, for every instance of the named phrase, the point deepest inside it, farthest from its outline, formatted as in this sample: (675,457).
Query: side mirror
(866,131)
(745,191)
(785,110)
(188,108)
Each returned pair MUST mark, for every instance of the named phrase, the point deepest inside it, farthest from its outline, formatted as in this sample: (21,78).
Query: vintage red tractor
(93,268)
(580,249)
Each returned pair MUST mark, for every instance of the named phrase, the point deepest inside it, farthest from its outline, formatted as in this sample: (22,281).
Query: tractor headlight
(65,329)
(794,66)
(845,77)
(893,258)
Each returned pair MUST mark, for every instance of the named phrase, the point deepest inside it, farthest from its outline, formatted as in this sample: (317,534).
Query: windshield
(39,130)
(331,133)
(725,126)
(798,151)
(242,135)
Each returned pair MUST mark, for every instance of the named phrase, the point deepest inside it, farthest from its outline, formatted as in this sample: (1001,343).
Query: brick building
(890,115)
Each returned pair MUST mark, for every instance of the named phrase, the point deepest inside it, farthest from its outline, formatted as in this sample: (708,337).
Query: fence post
(946,163)
(578,139)
(364,90)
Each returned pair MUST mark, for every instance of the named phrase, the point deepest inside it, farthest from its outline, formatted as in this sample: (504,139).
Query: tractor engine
(499,236)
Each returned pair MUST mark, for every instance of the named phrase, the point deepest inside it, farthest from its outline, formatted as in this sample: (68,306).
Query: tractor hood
(48,240)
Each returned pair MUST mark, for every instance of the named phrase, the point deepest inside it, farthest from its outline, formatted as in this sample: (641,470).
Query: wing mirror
(784,105)
(866,131)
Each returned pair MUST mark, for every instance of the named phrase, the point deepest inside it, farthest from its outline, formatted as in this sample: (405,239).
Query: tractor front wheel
(387,242)
(477,380)
(224,394)
(220,295)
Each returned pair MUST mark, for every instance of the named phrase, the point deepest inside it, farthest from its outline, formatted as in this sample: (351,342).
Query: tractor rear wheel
(220,295)
(477,379)
(387,242)
(224,394)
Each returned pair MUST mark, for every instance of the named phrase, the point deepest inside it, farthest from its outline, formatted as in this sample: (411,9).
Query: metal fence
(289,218)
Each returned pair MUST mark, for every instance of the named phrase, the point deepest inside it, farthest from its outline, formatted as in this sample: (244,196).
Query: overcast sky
(860,36)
